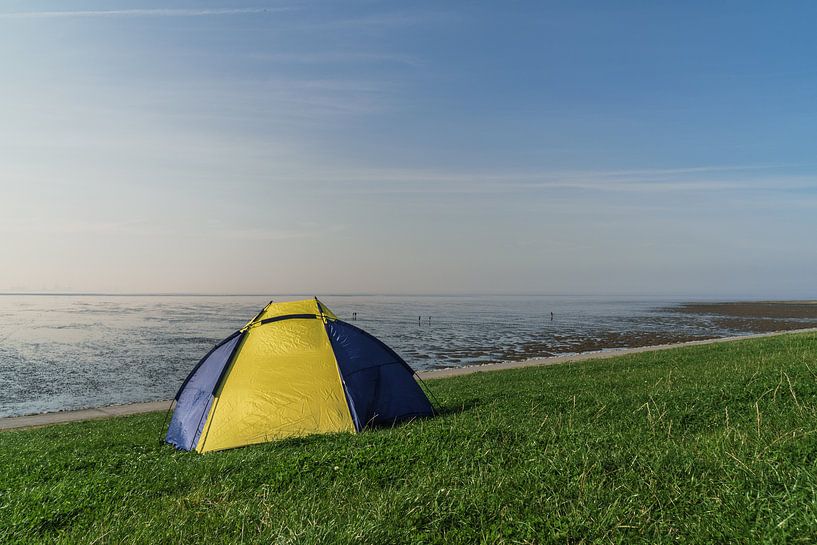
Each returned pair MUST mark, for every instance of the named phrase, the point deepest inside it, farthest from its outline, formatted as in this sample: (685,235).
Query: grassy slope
(700,444)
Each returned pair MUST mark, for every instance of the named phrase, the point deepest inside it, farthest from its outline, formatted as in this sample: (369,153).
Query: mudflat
(755,309)
(757,316)
(741,316)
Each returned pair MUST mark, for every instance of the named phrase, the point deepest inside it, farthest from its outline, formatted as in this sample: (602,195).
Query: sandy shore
(47,419)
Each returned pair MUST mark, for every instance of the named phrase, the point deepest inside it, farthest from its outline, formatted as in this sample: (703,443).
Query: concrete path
(46,419)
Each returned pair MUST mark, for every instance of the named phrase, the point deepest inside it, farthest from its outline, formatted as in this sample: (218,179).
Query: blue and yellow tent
(293,370)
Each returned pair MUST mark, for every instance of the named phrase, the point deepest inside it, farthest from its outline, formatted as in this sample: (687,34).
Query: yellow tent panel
(300,394)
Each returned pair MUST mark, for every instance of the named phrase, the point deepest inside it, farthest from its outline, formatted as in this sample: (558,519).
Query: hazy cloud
(144,12)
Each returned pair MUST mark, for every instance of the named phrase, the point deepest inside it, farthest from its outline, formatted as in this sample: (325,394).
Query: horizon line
(724,297)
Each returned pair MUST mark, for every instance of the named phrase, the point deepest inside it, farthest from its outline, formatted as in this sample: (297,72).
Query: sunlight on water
(68,352)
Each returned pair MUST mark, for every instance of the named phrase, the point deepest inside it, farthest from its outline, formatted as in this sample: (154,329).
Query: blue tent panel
(196,394)
(380,386)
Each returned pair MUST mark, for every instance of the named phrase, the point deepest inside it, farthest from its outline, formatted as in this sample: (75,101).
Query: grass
(702,444)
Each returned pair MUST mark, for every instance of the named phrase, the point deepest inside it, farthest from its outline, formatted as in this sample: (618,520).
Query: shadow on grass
(461,407)
(440,412)
(314,440)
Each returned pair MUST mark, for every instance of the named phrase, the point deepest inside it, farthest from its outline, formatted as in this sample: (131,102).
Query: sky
(634,148)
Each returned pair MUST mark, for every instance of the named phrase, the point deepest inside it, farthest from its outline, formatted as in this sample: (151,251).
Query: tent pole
(425,386)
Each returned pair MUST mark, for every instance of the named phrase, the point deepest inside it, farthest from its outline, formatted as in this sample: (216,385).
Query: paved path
(46,419)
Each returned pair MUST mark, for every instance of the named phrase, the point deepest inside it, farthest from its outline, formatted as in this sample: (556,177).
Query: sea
(63,352)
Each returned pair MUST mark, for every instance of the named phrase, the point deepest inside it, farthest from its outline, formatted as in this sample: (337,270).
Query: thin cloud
(147,228)
(378,21)
(691,179)
(311,230)
(146,12)
(424,175)
(332,57)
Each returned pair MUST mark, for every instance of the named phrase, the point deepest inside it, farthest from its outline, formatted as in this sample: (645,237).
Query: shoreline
(111,411)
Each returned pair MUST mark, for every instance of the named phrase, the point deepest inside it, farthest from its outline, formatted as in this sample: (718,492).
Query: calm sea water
(70,352)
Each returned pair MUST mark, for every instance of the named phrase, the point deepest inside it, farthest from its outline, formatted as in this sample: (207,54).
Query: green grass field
(702,444)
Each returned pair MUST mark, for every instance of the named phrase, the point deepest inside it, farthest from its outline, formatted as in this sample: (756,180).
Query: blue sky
(441,147)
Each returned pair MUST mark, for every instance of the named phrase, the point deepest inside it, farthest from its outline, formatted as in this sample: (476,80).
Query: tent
(293,370)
